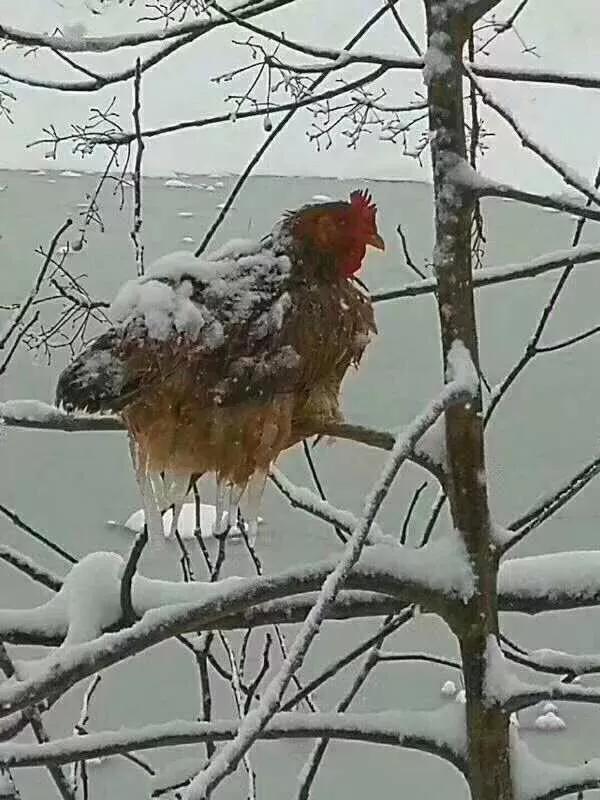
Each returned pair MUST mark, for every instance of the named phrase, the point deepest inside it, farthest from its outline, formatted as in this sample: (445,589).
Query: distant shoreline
(57,172)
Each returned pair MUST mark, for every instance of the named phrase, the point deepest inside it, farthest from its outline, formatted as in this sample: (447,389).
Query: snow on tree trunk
(448,24)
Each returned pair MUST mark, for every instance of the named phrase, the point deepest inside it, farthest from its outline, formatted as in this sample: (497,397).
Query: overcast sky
(565,120)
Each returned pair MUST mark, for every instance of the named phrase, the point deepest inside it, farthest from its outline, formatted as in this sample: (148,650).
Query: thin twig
(411,507)
(127,609)
(137,172)
(407,257)
(319,486)
(24,526)
(337,666)
(25,305)
(311,767)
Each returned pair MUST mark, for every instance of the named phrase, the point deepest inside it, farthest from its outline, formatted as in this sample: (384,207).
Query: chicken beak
(376,241)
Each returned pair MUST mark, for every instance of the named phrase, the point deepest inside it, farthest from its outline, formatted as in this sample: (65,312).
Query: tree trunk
(487,727)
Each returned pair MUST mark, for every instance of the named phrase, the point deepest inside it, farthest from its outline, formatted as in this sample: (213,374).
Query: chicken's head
(339,231)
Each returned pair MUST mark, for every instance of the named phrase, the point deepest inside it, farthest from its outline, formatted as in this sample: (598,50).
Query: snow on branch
(104,44)
(543,509)
(38,415)
(530,695)
(566,173)
(542,780)
(89,603)
(464,176)
(29,567)
(307,500)
(532,75)
(489,276)
(440,733)
(550,582)
(557,662)
(502,686)
(100,81)
(348,605)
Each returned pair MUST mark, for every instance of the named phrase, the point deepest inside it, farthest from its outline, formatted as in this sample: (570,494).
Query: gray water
(68,485)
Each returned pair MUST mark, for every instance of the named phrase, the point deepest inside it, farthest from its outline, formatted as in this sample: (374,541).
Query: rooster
(218,365)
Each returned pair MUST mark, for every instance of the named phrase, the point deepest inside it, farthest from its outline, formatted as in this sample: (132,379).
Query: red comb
(362,200)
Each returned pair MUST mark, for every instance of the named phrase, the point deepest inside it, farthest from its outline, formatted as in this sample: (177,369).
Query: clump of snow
(448,689)
(187,239)
(177,183)
(200,298)
(575,575)
(174,265)
(437,62)
(87,603)
(69,173)
(550,722)
(185,214)
(219,184)
(432,445)
(210,188)
(235,248)
(186,524)
(51,180)
(89,593)
(322,198)
(461,697)
(461,368)
(39,172)
(443,565)
(29,410)
(499,535)
(500,684)
(548,708)
(160,306)
(462,173)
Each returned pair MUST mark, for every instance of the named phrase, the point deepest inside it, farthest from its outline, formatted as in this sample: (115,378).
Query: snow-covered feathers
(218,365)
